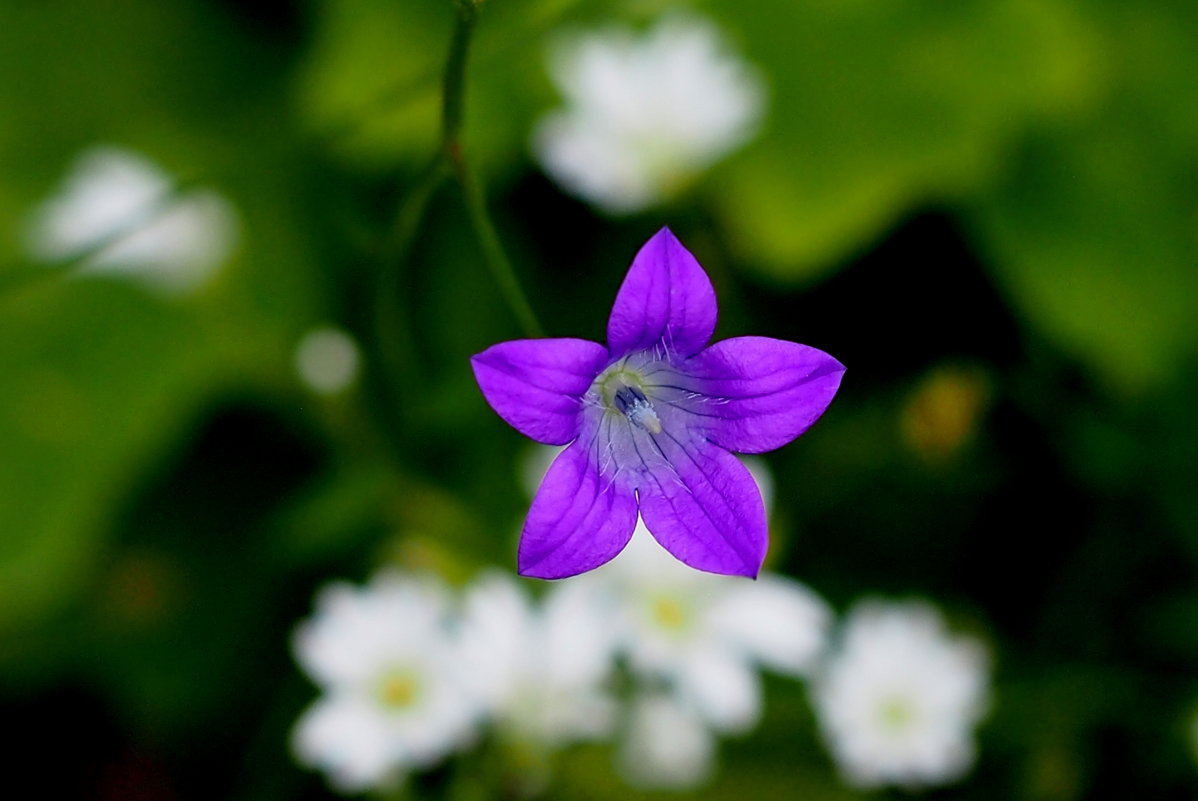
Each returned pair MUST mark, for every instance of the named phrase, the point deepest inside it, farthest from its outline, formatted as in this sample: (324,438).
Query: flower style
(651,420)
(897,704)
(540,673)
(645,114)
(123,214)
(390,673)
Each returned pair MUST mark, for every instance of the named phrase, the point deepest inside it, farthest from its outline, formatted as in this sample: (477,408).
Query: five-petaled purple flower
(650,420)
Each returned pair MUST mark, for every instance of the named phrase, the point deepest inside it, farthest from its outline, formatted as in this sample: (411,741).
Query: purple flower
(651,420)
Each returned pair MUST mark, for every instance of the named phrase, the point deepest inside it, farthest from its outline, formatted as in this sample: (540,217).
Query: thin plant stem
(395,338)
(412,88)
(493,253)
(453,87)
(453,101)
(396,342)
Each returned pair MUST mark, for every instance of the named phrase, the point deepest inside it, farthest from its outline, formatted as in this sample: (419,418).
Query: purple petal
(761,393)
(579,518)
(702,505)
(537,385)
(665,299)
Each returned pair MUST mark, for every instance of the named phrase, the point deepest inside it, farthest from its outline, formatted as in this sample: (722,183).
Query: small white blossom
(644,114)
(391,677)
(897,704)
(124,215)
(540,672)
(327,360)
(668,744)
(706,635)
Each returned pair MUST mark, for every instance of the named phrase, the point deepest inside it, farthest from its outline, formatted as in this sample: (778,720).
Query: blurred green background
(988,210)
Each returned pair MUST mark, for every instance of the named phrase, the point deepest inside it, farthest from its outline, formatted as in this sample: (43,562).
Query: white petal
(108,191)
(724,688)
(348,740)
(120,205)
(495,633)
(329,645)
(667,745)
(777,620)
(540,672)
(580,634)
(178,247)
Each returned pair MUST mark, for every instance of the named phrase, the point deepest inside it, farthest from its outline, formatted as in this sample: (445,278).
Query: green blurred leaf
(1094,233)
(878,108)
(105,378)
(96,388)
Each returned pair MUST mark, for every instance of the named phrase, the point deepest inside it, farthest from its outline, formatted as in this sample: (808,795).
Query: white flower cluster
(644,114)
(117,212)
(410,673)
(408,676)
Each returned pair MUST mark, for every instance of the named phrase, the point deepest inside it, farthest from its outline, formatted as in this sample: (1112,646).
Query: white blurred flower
(668,744)
(897,704)
(327,360)
(645,113)
(539,672)
(124,208)
(706,635)
(390,673)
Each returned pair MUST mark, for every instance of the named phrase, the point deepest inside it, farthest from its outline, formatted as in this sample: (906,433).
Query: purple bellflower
(651,420)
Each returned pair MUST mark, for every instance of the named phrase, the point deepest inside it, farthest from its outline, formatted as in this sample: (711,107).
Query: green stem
(453,88)
(395,338)
(493,253)
(453,101)
(396,342)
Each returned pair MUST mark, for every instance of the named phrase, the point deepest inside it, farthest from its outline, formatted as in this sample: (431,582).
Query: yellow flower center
(399,689)
(895,714)
(668,613)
